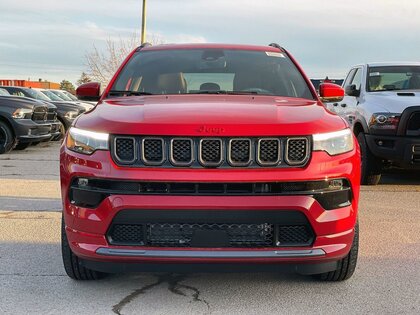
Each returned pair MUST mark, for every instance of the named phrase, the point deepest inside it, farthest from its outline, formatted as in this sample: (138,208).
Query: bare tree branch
(102,64)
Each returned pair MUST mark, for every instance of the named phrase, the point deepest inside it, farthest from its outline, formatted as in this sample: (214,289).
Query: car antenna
(143,46)
(275,45)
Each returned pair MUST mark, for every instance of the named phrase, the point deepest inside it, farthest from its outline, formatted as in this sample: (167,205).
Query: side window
(15,92)
(349,78)
(357,79)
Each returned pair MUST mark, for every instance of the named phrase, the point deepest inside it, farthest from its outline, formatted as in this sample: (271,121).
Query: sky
(49,39)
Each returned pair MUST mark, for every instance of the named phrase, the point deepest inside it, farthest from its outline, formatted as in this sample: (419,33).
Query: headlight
(71,115)
(86,142)
(334,143)
(384,122)
(22,113)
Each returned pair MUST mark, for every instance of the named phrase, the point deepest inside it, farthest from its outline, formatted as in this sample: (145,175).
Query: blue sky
(48,39)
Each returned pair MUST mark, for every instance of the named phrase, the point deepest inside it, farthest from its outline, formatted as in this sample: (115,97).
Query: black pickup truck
(23,121)
(66,111)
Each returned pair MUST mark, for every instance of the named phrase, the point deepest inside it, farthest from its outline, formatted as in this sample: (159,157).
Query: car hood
(67,106)
(394,101)
(197,115)
(19,102)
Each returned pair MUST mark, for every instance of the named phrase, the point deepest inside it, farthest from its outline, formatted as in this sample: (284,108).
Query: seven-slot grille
(268,151)
(296,150)
(239,153)
(211,152)
(125,149)
(153,151)
(181,151)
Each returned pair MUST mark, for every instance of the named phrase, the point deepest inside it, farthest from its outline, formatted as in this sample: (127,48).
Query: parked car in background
(382,106)
(22,121)
(74,98)
(65,97)
(66,111)
(206,155)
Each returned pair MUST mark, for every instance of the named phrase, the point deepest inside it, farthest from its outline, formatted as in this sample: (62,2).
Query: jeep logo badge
(206,129)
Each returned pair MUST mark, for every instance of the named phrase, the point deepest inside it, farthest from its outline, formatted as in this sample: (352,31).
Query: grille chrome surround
(231,156)
(145,156)
(264,161)
(208,151)
(116,145)
(290,150)
(173,148)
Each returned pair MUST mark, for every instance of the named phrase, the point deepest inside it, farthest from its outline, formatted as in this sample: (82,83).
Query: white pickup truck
(382,106)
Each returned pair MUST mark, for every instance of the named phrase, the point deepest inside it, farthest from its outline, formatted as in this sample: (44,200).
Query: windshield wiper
(128,93)
(225,92)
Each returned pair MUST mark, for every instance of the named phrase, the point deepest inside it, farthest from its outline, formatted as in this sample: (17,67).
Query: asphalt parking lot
(33,281)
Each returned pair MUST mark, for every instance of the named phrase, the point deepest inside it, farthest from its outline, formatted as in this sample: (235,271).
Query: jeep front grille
(125,149)
(268,152)
(153,151)
(211,152)
(181,151)
(239,152)
(296,150)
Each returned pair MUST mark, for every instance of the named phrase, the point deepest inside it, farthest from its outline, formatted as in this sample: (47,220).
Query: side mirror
(351,90)
(329,92)
(89,92)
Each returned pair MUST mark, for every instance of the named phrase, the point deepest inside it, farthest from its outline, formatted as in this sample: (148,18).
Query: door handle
(343,105)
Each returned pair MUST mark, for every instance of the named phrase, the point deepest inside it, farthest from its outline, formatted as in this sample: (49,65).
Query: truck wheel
(6,138)
(22,146)
(371,166)
(347,265)
(72,264)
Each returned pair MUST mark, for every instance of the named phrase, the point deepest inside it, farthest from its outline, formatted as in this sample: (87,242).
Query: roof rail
(275,45)
(143,46)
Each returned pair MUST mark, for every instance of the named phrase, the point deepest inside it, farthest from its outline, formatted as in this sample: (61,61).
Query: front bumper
(86,227)
(27,130)
(402,151)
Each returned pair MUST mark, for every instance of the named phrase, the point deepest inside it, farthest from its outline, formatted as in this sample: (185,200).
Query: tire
(22,146)
(63,131)
(35,143)
(347,265)
(7,139)
(72,264)
(371,166)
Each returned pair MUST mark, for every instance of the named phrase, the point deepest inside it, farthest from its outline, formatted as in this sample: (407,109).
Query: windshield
(62,96)
(392,78)
(51,96)
(69,95)
(208,71)
(37,95)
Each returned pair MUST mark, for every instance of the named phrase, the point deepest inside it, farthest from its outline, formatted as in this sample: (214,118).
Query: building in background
(33,84)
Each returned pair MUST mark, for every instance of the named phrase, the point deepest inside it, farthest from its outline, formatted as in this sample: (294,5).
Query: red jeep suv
(210,156)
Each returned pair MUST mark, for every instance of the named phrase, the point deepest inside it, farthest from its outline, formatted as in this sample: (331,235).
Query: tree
(84,78)
(103,63)
(67,86)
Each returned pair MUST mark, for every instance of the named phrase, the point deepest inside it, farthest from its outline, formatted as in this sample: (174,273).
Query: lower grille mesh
(182,234)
